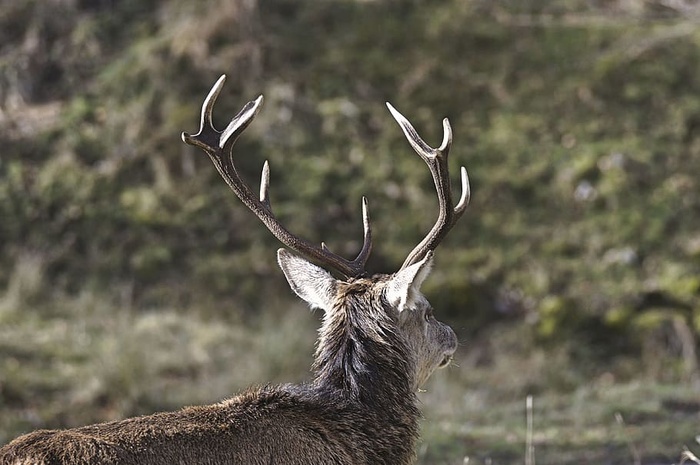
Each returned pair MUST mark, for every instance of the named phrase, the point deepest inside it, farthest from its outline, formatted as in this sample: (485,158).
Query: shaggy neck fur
(360,356)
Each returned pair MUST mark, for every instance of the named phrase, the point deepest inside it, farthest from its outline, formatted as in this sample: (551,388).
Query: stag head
(387,310)
(378,343)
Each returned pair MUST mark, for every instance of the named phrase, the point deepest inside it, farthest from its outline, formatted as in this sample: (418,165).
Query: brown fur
(360,407)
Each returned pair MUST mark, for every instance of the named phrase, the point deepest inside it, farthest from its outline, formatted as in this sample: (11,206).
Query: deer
(378,342)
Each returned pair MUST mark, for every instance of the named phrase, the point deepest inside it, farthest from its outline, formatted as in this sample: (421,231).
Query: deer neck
(361,357)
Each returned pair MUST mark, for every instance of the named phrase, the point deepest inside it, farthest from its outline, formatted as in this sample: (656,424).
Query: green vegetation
(132,280)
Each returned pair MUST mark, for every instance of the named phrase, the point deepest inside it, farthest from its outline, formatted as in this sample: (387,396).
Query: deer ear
(313,284)
(403,287)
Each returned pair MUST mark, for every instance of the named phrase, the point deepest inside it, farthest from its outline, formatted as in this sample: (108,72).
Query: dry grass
(479,413)
(74,361)
(83,360)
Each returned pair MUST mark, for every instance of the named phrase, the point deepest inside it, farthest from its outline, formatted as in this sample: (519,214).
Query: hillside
(579,256)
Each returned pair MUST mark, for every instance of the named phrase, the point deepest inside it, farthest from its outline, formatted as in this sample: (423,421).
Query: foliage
(578,123)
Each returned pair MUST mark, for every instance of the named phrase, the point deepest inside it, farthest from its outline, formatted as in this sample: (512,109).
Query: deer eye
(428,314)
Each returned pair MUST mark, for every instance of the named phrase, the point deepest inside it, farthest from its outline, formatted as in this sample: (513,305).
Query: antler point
(265,185)
(466,191)
(395,113)
(365,214)
(446,136)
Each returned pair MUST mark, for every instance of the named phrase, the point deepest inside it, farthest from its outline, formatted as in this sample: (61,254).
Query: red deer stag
(379,341)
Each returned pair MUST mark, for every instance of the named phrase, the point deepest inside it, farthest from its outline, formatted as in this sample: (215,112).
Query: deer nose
(452,342)
(450,347)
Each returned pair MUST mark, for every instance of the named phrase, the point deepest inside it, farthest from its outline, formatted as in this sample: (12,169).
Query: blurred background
(132,280)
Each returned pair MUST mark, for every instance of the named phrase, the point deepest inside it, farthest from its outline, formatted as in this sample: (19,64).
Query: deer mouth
(445,361)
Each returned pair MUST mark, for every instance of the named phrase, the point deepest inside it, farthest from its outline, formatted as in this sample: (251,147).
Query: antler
(219,146)
(436,159)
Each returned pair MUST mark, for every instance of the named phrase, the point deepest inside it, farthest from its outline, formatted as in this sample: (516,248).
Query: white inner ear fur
(402,289)
(313,284)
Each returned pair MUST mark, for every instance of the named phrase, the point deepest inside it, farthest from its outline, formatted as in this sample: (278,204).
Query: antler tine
(367,236)
(436,159)
(265,185)
(219,146)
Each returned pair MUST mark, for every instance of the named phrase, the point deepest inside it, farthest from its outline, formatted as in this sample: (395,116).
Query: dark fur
(360,408)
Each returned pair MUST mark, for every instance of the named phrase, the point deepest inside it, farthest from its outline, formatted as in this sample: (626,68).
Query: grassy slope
(573,278)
